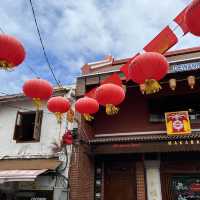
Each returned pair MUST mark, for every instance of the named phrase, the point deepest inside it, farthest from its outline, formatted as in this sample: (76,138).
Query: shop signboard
(177,123)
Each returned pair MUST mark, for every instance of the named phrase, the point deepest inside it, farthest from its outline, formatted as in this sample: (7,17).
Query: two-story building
(130,156)
(32,164)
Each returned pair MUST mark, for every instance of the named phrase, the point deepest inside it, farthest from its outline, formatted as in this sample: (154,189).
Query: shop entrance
(120,180)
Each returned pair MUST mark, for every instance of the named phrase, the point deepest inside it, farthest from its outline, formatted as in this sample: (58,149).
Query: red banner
(162,42)
(124,68)
(114,78)
(179,19)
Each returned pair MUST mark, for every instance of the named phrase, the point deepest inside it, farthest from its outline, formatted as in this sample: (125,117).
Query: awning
(29,164)
(19,175)
(25,170)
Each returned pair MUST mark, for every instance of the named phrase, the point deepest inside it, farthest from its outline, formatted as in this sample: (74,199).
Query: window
(28,126)
(188,102)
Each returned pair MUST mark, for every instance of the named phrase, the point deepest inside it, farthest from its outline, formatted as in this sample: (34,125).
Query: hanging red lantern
(58,105)
(67,138)
(87,106)
(147,69)
(192,17)
(12,52)
(110,95)
(37,90)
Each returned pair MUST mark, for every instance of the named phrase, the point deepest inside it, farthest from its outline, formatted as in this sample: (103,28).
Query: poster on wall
(186,187)
(177,123)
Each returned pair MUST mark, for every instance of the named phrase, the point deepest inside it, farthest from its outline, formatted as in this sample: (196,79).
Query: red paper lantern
(110,95)
(58,105)
(87,106)
(192,17)
(147,69)
(12,52)
(67,138)
(37,90)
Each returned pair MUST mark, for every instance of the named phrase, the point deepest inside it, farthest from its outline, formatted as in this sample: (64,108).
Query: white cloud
(77,32)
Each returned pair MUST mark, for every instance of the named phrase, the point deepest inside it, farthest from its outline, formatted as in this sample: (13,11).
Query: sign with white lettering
(184,67)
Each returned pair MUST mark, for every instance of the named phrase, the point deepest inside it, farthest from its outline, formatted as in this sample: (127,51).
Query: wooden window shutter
(18,127)
(38,123)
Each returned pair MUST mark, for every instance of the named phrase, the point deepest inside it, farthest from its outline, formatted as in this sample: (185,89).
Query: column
(153,180)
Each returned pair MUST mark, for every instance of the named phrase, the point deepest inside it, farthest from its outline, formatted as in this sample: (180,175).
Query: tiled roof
(144,138)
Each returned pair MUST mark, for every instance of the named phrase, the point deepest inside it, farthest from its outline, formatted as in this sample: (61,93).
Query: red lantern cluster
(148,68)
(12,52)
(87,106)
(58,105)
(192,17)
(37,90)
(110,95)
(67,138)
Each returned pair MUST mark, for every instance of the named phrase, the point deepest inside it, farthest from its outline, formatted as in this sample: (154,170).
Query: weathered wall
(49,132)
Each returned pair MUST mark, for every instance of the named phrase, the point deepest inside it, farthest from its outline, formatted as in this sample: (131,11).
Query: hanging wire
(42,44)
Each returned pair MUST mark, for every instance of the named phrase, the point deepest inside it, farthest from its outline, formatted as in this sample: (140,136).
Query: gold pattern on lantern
(172,83)
(191,81)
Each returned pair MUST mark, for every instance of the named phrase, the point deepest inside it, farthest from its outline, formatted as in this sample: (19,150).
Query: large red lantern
(12,52)
(38,90)
(87,106)
(192,17)
(147,69)
(58,105)
(110,95)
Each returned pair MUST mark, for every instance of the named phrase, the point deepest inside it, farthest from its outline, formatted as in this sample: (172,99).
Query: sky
(76,32)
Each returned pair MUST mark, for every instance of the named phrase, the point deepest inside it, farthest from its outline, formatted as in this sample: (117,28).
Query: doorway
(120,180)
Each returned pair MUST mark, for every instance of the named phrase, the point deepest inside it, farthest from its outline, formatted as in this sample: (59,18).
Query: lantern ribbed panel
(38,88)
(110,94)
(11,50)
(192,17)
(149,65)
(87,105)
(58,104)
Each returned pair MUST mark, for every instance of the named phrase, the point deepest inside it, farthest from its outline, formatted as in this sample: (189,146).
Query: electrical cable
(42,44)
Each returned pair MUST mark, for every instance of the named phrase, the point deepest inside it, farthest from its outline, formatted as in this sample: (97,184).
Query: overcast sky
(81,31)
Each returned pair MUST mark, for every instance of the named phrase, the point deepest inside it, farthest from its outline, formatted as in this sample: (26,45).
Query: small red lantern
(147,69)
(58,105)
(37,90)
(67,138)
(192,17)
(12,52)
(110,95)
(87,106)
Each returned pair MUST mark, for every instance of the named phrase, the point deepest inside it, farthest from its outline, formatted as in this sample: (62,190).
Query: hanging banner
(179,19)
(162,42)
(113,78)
(177,123)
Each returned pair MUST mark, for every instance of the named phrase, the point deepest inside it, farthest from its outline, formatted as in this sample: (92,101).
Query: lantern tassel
(5,65)
(58,117)
(70,116)
(111,109)
(37,103)
(88,117)
(152,86)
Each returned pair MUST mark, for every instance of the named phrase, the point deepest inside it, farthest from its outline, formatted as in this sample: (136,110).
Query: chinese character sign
(177,123)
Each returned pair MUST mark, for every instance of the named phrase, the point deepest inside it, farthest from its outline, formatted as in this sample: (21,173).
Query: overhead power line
(42,44)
